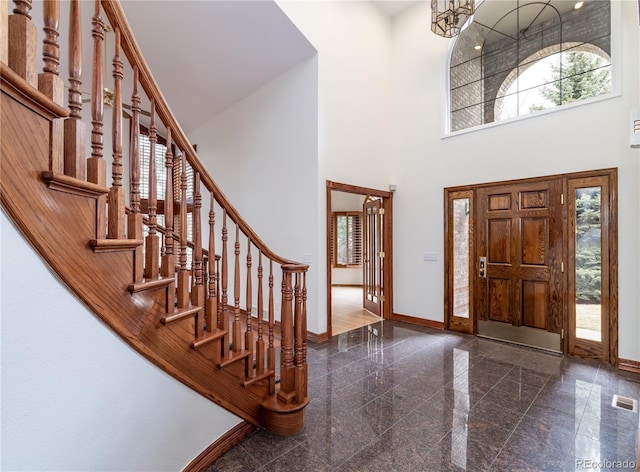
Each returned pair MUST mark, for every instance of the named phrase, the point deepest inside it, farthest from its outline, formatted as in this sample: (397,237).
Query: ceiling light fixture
(448,16)
(578,5)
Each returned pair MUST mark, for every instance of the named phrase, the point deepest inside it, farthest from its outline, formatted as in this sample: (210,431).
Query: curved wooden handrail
(114,12)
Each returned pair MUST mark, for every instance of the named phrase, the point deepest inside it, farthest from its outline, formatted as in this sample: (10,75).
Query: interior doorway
(534,262)
(359,256)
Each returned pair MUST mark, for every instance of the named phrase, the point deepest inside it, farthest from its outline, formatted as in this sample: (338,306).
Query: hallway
(346,310)
(399,397)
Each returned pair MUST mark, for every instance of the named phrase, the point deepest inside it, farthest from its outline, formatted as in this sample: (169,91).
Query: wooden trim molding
(629,365)
(317,338)
(418,321)
(220,446)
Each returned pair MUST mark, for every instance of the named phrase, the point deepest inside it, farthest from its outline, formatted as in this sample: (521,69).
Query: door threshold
(522,335)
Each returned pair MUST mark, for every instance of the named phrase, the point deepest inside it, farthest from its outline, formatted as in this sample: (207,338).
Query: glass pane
(588,264)
(461,257)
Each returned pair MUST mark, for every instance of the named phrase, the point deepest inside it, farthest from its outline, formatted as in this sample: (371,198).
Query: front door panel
(520,234)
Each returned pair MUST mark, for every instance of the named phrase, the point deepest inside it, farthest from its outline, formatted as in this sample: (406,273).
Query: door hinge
(562,199)
(381,254)
(381,298)
(562,333)
(562,267)
(381,211)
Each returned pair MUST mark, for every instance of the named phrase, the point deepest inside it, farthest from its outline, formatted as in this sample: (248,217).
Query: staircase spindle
(287,373)
(116,194)
(297,318)
(134,146)
(211,308)
(22,49)
(197,291)
(249,341)
(74,127)
(224,316)
(183,274)
(237,324)
(135,218)
(49,81)
(271,351)
(260,347)
(168,259)
(152,240)
(304,333)
(96,165)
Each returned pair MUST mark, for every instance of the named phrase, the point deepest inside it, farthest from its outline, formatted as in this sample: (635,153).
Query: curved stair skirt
(57,216)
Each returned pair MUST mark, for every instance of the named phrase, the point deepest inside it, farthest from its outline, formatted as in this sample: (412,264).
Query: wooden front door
(373,256)
(519,269)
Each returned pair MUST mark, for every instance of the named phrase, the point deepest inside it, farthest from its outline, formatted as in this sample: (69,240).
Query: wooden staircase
(204,314)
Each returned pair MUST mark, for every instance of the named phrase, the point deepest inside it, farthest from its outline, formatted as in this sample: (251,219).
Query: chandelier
(448,16)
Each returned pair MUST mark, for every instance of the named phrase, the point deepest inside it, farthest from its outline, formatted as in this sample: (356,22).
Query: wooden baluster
(211,308)
(271,351)
(116,194)
(22,42)
(298,324)
(197,292)
(4,31)
(152,241)
(304,333)
(237,324)
(51,84)
(74,127)
(287,369)
(168,259)
(224,316)
(135,218)
(49,81)
(260,342)
(249,338)
(217,278)
(96,165)
(183,274)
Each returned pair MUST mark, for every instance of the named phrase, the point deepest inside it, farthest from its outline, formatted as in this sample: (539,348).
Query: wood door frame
(612,175)
(387,236)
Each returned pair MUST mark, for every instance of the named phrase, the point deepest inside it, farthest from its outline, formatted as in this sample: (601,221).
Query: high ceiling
(206,56)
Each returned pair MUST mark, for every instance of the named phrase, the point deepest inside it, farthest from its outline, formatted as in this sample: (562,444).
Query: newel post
(293,382)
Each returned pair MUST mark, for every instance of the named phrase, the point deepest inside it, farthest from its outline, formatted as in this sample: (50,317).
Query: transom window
(519,57)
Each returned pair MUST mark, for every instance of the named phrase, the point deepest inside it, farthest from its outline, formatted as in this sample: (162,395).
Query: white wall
(263,153)
(74,396)
(354,77)
(585,137)
(382,92)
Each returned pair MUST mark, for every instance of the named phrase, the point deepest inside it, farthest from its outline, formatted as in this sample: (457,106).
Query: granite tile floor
(398,397)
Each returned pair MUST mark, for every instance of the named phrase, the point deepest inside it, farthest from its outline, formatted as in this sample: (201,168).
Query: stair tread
(180,313)
(258,377)
(114,245)
(208,337)
(148,284)
(68,184)
(235,357)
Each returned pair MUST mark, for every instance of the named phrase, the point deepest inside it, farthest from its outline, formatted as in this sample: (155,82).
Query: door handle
(482,267)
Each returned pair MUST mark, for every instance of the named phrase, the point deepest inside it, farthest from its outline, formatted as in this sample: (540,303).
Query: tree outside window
(347,239)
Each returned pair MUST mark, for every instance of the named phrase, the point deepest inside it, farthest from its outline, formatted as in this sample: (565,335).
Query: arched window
(518,57)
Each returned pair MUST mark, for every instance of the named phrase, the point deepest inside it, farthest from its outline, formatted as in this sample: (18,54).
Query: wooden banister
(114,12)
(199,292)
